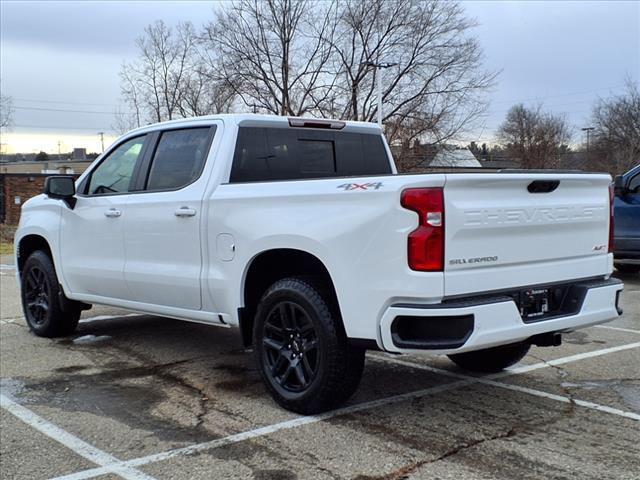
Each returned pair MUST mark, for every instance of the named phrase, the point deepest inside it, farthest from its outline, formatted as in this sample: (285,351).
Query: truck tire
(41,301)
(301,348)
(491,359)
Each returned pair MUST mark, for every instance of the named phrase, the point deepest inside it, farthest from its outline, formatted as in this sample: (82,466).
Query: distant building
(50,167)
(79,154)
(423,157)
(449,156)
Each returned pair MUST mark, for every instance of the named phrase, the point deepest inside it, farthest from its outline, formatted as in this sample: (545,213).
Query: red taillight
(611,225)
(426,243)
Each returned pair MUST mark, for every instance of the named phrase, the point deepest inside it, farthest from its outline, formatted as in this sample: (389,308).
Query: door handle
(112,213)
(185,212)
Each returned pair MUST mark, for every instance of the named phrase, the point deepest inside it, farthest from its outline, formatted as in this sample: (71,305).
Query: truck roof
(259,120)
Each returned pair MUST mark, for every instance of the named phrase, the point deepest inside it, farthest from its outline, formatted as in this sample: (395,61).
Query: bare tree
(616,145)
(6,111)
(273,53)
(296,57)
(435,87)
(536,138)
(130,88)
(123,121)
(169,79)
(164,58)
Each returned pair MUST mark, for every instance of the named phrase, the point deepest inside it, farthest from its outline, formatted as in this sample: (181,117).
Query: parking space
(143,397)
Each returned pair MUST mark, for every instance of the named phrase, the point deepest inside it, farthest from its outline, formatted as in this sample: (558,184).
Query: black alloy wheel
(37,295)
(304,356)
(290,343)
(49,313)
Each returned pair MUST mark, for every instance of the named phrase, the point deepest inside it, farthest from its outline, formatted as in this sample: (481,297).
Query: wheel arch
(27,245)
(270,266)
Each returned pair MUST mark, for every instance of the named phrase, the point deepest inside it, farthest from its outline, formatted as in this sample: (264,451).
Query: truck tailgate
(508,230)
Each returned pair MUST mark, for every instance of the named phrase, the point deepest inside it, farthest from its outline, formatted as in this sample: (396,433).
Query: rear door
(162,238)
(507,230)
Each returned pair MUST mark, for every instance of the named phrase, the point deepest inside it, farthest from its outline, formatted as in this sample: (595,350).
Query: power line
(41,109)
(60,128)
(540,97)
(559,95)
(67,103)
(554,105)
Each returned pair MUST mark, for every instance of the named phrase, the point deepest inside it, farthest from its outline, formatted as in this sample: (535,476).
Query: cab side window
(179,158)
(114,173)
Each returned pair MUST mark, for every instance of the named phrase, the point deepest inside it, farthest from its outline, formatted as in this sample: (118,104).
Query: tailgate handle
(543,186)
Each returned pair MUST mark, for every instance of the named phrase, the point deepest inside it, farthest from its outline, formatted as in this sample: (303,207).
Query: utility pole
(59,151)
(379,66)
(588,130)
(101,140)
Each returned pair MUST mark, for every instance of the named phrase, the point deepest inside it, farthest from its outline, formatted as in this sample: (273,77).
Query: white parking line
(266,430)
(297,422)
(488,381)
(563,360)
(70,441)
(619,329)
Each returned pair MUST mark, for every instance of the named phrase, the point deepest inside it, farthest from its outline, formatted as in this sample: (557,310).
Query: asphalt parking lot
(142,397)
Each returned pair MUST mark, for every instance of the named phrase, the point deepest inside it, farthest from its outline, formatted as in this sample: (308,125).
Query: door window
(179,158)
(114,173)
(634,185)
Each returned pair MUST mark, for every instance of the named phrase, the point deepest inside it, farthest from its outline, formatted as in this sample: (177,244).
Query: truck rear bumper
(488,321)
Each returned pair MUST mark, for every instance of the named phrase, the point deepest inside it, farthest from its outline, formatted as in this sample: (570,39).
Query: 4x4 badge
(360,186)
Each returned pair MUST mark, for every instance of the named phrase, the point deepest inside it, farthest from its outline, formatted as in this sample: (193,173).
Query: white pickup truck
(301,233)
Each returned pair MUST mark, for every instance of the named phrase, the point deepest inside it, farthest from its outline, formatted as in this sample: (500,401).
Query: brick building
(19,181)
(15,189)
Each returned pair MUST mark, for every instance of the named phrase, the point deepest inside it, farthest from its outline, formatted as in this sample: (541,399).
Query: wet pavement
(143,397)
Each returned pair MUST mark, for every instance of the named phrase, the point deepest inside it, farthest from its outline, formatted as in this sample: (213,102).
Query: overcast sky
(67,55)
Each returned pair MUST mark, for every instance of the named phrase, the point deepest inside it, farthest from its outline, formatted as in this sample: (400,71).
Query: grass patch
(6,248)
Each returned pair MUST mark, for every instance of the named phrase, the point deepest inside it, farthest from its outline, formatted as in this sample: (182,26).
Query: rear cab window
(270,153)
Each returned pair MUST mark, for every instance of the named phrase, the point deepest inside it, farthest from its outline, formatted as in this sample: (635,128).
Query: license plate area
(534,303)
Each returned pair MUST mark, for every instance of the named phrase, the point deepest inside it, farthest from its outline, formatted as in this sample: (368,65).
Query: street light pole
(379,66)
(101,139)
(379,87)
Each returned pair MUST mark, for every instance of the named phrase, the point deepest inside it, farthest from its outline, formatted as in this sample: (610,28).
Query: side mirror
(618,186)
(62,188)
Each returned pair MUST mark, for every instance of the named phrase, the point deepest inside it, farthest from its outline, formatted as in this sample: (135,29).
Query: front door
(162,229)
(92,234)
(627,218)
